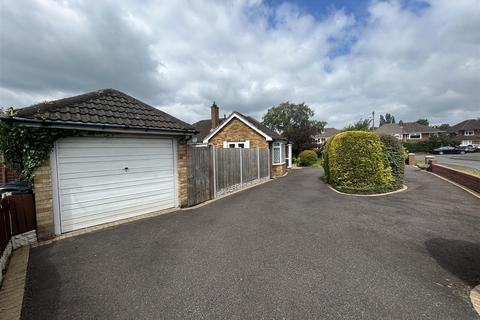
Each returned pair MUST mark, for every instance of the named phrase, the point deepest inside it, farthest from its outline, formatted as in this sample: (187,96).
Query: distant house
(240,131)
(408,131)
(326,134)
(467,132)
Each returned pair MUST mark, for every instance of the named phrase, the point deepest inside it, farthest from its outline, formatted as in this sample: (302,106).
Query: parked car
(448,150)
(468,148)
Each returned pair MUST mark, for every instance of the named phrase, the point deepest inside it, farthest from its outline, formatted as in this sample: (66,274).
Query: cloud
(414,59)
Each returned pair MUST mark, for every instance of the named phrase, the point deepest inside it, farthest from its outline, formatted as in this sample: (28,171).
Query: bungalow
(124,158)
(240,131)
(467,132)
(408,131)
(326,134)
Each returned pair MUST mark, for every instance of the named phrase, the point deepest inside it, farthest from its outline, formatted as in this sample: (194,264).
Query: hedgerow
(355,161)
(394,156)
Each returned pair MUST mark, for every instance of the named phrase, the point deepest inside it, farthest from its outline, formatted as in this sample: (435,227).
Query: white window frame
(414,134)
(281,146)
(468,133)
(246,144)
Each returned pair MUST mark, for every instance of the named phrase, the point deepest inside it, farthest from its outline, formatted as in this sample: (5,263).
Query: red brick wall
(467,180)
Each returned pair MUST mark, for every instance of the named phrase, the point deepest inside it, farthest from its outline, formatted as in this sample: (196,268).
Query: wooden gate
(200,181)
(17,215)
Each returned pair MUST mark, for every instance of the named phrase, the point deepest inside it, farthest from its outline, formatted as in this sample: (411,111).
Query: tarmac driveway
(288,249)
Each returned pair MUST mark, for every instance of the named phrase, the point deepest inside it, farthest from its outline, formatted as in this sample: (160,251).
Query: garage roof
(107,108)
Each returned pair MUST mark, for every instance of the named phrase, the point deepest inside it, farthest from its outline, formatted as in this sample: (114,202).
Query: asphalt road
(288,249)
(470,160)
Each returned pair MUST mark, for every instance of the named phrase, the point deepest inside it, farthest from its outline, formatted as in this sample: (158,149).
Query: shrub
(307,157)
(355,161)
(326,168)
(394,156)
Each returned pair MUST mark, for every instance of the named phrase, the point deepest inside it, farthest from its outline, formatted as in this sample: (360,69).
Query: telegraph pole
(373,119)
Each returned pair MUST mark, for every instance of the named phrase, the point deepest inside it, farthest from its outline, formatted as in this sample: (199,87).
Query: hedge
(307,157)
(394,156)
(355,161)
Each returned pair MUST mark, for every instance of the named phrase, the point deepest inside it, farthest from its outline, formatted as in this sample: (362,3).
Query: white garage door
(101,180)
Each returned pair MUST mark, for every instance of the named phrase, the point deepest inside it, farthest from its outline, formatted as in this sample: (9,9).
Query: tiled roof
(406,127)
(204,127)
(470,124)
(327,133)
(102,108)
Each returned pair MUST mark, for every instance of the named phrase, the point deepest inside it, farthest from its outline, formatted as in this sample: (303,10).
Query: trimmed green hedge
(355,160)
(307,158)
(394,156)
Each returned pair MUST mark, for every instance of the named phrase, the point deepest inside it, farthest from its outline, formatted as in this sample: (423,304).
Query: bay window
(278,153)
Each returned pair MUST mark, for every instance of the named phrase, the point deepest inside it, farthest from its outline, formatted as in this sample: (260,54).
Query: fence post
(258,163)
(214,160)
(241,168)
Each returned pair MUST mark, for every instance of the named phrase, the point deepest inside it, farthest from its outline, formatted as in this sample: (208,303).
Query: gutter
(98,127)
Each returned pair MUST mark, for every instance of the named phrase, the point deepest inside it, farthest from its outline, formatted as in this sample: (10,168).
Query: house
(124,158)
(467,132)
(240,131)
(326,134)
(408,131)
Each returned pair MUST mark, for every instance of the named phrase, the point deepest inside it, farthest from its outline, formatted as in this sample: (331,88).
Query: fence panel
(227,169)
(5,224)
(199,175)
(264,163)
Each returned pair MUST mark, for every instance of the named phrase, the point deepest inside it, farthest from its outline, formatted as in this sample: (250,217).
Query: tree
(443,126)
(360,125)
(295,122)
(387,119)
(423,121)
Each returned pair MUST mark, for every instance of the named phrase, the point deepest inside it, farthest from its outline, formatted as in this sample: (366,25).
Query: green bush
(418,146)
(326,167)
(355,160)
(394,156)
(307,158)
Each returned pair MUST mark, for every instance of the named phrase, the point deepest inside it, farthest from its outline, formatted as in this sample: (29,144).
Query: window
(236,144)
(278,153)
(398,136)
(415,136)
(468,133)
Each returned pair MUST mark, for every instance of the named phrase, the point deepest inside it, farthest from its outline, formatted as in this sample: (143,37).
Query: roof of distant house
(204,127)
(406,127)
(327,133)
(107,108)
(470,124)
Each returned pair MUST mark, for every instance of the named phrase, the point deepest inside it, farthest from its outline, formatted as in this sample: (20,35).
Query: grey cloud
(247,56)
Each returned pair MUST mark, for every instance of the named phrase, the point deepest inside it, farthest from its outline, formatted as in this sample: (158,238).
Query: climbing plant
(25,149)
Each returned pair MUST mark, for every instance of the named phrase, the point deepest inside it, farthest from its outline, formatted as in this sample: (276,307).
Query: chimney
(214,115)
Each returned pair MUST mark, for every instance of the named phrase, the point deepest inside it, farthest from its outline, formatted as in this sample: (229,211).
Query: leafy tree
(360,125)
(387,119)
(295,122)
(443,126)
(423,121)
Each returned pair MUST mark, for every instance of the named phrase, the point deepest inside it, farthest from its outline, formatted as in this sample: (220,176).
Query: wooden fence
(17,215)
(214,172)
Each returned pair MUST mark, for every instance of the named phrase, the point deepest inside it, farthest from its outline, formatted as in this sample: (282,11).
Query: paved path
(289,249)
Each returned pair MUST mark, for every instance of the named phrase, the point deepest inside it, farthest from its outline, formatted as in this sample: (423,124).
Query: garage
(113,157)
(101,180)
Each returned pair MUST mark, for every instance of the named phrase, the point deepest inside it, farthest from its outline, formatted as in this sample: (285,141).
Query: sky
(411,58)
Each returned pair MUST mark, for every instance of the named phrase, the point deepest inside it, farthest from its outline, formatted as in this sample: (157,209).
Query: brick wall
(279,170)
(467,180)
(236,130)
(182,174)
(44,201)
